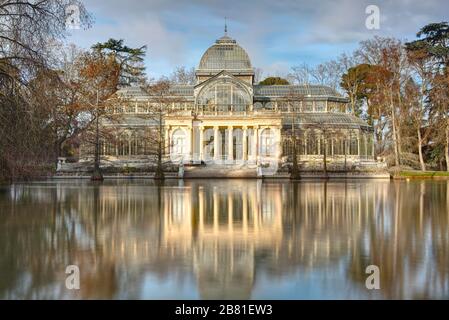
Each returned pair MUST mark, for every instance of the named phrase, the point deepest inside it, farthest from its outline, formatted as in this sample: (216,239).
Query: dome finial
(226,27)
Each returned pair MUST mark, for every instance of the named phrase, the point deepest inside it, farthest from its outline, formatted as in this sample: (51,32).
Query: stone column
(216,145)
(358,144)
(201,130)
(332,147)
(167,140)
(318,137)
(190,141)
(278,151)
(230,144)
(256,142)
(348,145)
(305,144)
(366,146)
(245,144)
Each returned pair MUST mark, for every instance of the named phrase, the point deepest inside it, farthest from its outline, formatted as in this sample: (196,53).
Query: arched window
(123,145)
(370,146)
(363,147)
(208,144)
(238,144)
(133,144)
(224,96)
(179,143)
(267,143)
(339,146)
(287,145)
(353,144)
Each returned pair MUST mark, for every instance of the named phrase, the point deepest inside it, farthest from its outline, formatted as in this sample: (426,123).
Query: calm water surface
(225,239)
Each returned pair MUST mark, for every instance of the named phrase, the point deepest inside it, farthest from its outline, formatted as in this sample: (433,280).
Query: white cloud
(273,32)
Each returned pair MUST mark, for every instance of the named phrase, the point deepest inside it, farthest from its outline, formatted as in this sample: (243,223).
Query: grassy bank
(421,175)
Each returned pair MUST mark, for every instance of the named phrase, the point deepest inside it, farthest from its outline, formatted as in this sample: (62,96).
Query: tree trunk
(421,159)
(345,147)
(159,174)
(325,158)
(295,175)
(97,175)
(57,151)
(376,142)
(398,128)
(446,149)
(395,140)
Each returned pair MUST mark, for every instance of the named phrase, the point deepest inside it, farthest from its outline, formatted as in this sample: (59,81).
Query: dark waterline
(238,239)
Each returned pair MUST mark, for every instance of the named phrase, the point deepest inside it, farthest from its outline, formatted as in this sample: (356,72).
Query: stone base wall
(337,166)
(145,164)
(114,165)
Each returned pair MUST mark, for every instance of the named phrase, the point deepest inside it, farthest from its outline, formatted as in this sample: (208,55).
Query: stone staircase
(220,171)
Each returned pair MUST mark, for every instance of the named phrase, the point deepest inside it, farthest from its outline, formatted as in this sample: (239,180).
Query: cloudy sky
(277,34)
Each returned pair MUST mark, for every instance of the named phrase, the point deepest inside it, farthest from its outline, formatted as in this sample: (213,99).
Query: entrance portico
(220,142)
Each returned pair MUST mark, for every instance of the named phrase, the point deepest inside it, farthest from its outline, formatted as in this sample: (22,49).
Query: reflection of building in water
(321,224)
(227,235)
(223,228)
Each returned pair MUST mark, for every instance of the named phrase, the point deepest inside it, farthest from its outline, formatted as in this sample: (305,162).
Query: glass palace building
(227,119)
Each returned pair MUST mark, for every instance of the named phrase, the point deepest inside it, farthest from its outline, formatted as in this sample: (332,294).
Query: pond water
(224,239)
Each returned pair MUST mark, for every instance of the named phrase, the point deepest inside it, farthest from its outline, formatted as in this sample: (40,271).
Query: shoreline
(404,175)
(416,175)
(308,176)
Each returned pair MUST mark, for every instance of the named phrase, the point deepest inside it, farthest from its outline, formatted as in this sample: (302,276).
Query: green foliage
(421,174)
(274,81)
(129,59)
(435,41)
(356,82)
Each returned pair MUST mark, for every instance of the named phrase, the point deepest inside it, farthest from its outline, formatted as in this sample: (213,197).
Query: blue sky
(277,34)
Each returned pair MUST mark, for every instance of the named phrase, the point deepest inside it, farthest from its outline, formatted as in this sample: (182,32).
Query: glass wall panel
(320,106)
(226,96)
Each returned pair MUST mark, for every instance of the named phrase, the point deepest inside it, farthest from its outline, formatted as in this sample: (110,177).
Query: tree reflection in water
(224,239)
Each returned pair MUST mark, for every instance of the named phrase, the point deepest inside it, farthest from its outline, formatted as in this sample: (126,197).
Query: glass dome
(225,54)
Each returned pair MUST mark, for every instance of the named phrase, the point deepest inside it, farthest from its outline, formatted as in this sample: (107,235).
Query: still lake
(224,239)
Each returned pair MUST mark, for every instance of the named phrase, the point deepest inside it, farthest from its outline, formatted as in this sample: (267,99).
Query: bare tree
(293,102)
(99,76)
(162,104)
(328,73)
(301,74)
(182,75)
(320,129)
(28,30)
(258,75)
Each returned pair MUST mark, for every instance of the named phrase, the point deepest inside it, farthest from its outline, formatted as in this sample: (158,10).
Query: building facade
(227,119)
